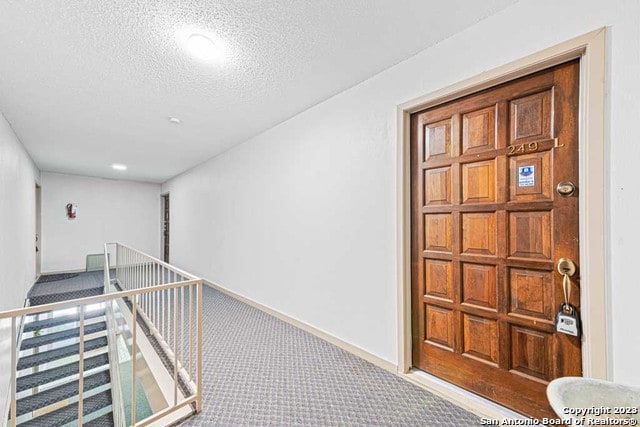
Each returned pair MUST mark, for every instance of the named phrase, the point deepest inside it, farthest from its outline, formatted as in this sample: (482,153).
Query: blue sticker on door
(527,176)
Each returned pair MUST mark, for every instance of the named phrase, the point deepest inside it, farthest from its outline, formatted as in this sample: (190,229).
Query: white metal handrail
(122,248)
(170,316)
(117,401)
(157,291)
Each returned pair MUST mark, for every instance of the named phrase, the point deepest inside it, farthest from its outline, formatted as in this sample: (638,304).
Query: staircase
(62,375)
(47,382)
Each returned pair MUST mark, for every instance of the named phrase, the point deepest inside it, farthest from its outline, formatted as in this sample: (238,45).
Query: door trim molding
(590,48)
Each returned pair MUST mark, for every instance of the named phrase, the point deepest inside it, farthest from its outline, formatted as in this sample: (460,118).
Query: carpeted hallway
(261,371)
(61,287)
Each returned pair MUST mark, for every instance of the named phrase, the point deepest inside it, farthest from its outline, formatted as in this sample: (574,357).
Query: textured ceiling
(89,83)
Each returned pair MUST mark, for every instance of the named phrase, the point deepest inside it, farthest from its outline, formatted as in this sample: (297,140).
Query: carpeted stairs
(48,367)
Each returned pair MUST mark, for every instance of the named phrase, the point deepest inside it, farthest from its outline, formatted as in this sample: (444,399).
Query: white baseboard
(44,273)
(363,354)
(463,398)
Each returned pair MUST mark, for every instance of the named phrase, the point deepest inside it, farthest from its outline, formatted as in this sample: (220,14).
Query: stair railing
(167,300)
(117,401)
(173,318)
(16,337)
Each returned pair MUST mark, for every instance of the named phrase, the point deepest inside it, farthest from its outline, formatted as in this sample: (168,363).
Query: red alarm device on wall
(72,210)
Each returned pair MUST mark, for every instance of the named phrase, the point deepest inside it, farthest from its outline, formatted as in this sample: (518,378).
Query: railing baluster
(146,285)
(143,283)
(182,324)
(14,368)
(134,282)
(149,285)
(154,296)
(162,331)
(159,300)
(175,346)
(152,306)
(199,351)
(190,333)
(81,369)
(165,308)
(126,284)
(152,283)
(134,312)
(161,304)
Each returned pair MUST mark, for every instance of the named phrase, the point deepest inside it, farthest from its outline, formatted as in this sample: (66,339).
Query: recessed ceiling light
(175,120)
(119,167)
(202,47)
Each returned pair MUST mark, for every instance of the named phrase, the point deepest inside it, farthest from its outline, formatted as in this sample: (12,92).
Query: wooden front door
(488,228)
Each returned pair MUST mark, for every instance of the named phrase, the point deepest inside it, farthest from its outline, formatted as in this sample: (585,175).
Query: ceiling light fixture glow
(119,167)
(203,47)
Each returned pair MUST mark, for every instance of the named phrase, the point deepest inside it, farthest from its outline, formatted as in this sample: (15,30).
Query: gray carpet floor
(80,286)
(261,371)
(82,282)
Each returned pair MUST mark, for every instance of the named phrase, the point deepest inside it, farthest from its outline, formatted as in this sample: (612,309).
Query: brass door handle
(567,268)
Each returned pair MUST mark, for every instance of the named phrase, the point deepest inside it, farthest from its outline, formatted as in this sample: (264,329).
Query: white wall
(108,211)
(18,178)
(302,218)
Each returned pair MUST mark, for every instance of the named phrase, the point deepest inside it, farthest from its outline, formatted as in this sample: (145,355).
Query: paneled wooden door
(488,228)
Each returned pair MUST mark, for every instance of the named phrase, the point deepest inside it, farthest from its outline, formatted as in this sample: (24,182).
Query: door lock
(566,267)
(566,188)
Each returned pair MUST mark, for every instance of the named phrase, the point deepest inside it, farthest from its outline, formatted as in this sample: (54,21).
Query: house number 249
(513,150)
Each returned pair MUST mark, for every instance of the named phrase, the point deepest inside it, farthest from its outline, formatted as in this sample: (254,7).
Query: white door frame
(590,48)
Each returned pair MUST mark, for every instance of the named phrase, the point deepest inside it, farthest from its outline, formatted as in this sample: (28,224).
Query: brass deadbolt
(566,188)
(566,266)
